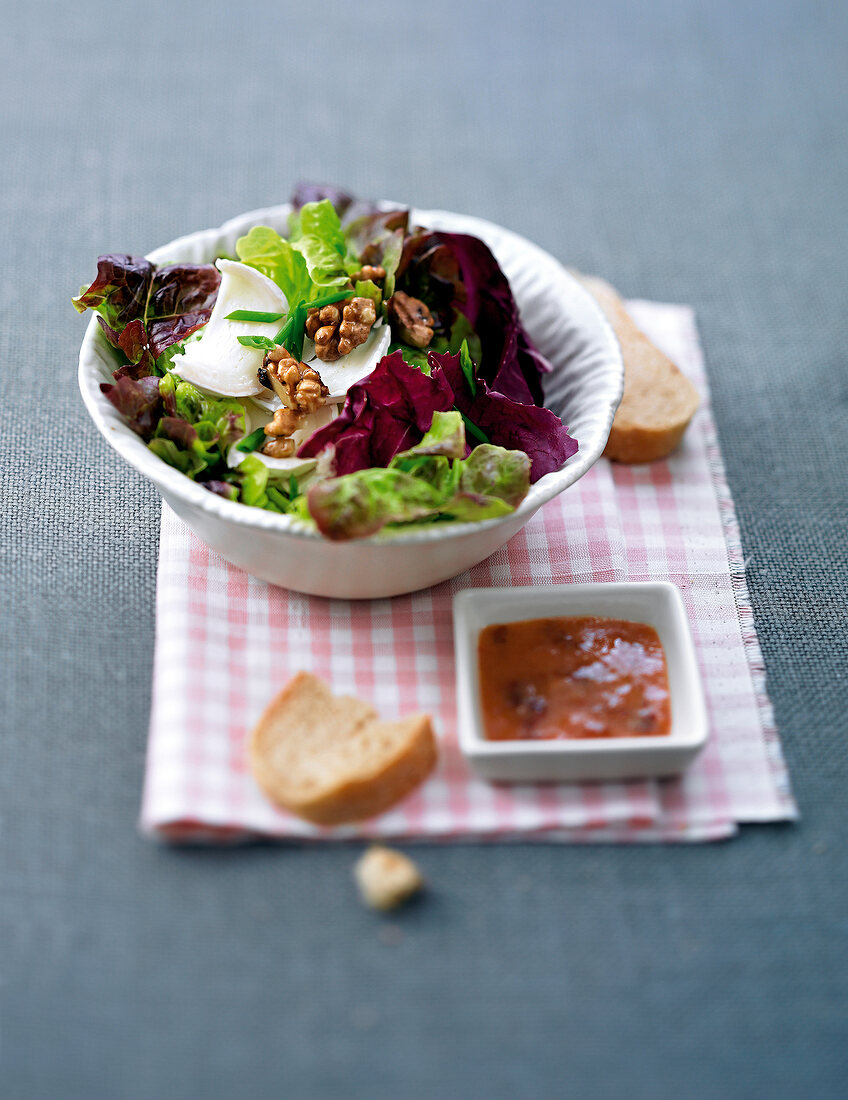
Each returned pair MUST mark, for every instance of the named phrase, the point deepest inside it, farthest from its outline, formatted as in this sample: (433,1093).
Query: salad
(359,373)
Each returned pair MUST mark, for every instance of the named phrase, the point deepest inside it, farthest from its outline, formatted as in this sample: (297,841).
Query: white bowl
(656,603)
(584,389)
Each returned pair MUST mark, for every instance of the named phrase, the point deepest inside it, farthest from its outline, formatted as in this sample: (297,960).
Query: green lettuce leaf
(189,401)
(415,357)
(435,470)
(446,436)
(496,472)
(357,505)
(195,431)
(427,482)
(262,487)
(315,231)
(254,480)
(265,249)
(366,288)
(189,462)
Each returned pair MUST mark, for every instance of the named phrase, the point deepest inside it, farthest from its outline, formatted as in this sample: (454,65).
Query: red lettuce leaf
(159,306)
(181,301)
(120,291)
(371,231)
(179,430)
(514,425)
(315,192)
(455,272)
(171,330)
(138,401)
(388,412)
(221,489)
(362,221)
(133,342)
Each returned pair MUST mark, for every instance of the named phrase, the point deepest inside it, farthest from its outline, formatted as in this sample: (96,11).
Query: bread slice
(331,760)
(658,402)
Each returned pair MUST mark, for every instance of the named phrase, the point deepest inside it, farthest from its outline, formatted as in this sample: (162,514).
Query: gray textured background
(690,152)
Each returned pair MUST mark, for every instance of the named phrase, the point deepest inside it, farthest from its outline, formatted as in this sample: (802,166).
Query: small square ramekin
(656,603)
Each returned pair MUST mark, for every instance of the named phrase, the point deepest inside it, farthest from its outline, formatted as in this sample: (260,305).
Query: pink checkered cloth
(226,642)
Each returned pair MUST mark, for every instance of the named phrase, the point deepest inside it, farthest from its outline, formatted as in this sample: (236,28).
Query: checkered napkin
(226,642)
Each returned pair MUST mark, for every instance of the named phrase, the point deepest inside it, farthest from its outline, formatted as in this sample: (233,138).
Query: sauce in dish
(545,679)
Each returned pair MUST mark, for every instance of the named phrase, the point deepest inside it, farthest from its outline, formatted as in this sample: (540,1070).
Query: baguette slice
(331,760)
(658,402)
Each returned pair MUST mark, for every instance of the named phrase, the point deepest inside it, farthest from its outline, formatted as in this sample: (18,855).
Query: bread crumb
(386,878)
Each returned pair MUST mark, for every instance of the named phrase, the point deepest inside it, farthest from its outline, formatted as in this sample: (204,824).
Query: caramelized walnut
(411,320)
(285,423)
(375,274)
(339,328)
(278,448)
(298,386)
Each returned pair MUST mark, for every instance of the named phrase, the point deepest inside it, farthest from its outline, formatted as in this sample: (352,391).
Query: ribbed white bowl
(584,389)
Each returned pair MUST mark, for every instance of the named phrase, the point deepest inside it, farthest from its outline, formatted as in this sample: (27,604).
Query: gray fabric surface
(688,152)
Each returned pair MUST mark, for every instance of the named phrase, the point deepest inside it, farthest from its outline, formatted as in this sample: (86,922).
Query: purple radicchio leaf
(456,272)
(138,401)
(390,411)
(511,424)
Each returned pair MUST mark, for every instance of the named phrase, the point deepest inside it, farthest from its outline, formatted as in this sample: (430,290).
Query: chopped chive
(282,335)
(468,368)
(294,340)
(252,442)
(329,299)
(261,342)
(291,334)
(278,497)
(472,429)
(253,315)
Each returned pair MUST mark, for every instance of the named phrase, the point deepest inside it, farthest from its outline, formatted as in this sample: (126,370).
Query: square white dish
(656,603)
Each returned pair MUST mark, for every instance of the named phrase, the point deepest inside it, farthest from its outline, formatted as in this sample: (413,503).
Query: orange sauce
(573,677)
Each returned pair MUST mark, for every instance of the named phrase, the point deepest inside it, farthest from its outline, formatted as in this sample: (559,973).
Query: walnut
(285,422)
(410,319)
(339,328)
(375,274)
(298,386)
(278,448)
(278,444)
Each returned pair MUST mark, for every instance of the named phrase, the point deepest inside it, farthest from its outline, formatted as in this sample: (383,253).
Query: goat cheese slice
(217,361)
(339,376)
